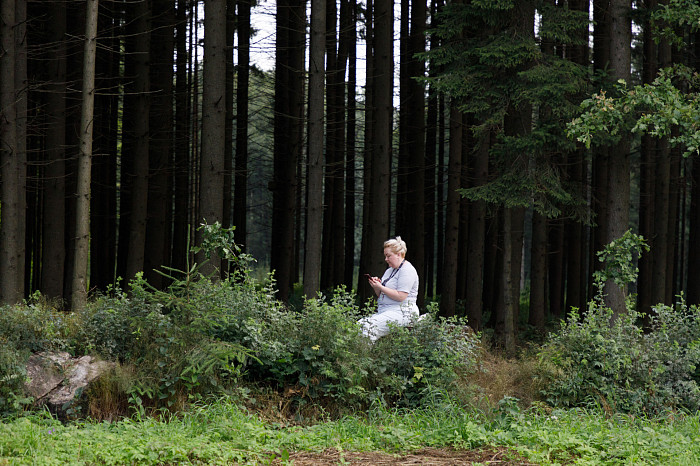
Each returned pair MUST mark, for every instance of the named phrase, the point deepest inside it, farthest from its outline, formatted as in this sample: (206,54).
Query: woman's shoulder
(410,267)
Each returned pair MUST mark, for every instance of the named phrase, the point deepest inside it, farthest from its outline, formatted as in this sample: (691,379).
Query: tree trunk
(240,195)
(11,237)
(509,304)
(54,193)
(454,173)
(82,217)
(477,238)
(213,122)
(619,167)
(415,197)
(22,89)
(141,137)
(379,195)
(287,139)
(348,27)
(103,193)
(158,238)
(181,188)
(314,208)
(693,286)
(367,249)
(538,275)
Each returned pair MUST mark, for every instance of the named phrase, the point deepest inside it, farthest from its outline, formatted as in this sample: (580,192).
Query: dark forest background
(461,143)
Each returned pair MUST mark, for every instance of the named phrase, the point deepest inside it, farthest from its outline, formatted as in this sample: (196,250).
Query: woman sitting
(396,292)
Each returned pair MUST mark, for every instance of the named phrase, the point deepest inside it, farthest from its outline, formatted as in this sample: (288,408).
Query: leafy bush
(429,354)
(598,360)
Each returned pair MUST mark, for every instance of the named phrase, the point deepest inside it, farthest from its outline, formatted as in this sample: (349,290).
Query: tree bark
(181,188)
(54,187)
(538,274)
(213,122)
(287,139)
(477,238)
(619,166)
(381,149)
(158,237)
(240,195)
(11,237)
(82,217)
(314,225)
(454,173)
(103,192)
(348,27)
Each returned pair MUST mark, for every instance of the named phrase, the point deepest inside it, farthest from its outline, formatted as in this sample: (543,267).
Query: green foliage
(598,360)
(413,361)
(223,433)
(12,377)
(673,17)
(491,68)
(660,109)
(618,258)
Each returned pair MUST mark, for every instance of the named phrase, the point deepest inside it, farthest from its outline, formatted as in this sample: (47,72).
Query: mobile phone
(368,276)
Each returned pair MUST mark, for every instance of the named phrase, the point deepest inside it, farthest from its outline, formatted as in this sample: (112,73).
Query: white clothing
(404,279)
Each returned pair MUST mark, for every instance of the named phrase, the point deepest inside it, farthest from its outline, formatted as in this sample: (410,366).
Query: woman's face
(392,258)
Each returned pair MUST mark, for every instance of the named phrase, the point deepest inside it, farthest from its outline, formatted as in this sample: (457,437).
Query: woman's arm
(390,293)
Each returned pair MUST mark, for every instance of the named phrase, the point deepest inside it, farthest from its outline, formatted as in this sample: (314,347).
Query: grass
(222,432)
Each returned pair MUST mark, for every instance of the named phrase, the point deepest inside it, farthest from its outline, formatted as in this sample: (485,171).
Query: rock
(57,380)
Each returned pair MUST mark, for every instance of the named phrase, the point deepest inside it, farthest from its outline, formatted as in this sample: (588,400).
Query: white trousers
(377,325)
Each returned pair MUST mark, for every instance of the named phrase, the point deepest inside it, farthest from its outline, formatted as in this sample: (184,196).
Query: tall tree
(378,195)
(54,187)
(158,237)
(289,47)
(182,179)
(242,123)
(82,217)
(619,164)
(348,27)
(448,295)
(103,192)
(211,195)
(314,224)
(12,219)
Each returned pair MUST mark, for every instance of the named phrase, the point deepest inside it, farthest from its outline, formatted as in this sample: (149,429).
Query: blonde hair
(396,245)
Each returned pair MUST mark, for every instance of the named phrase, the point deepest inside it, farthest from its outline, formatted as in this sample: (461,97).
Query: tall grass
(221,432)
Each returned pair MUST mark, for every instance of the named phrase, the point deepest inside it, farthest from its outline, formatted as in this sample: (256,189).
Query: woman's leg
(377,325)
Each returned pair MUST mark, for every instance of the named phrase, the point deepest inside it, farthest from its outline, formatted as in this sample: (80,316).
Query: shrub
(596,360)
(429,354)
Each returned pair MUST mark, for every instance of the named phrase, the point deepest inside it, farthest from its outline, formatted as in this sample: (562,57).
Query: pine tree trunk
(693,283)
(379,194)
(82,217)
(314,225)
(11,237)
(415,197)
(348,23)
(454,173)
(240,205)
(158,238)
(477,239)
(54,187)
(538,275)
(140,137)
(103,193)
(181,164)
(213,123)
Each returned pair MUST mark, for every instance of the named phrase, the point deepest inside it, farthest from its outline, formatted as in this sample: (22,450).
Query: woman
(396,292)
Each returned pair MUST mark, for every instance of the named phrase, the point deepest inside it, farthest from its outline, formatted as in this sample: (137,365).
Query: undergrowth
(221,432)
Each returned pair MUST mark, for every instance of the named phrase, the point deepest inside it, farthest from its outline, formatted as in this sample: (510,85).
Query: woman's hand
(376,284)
